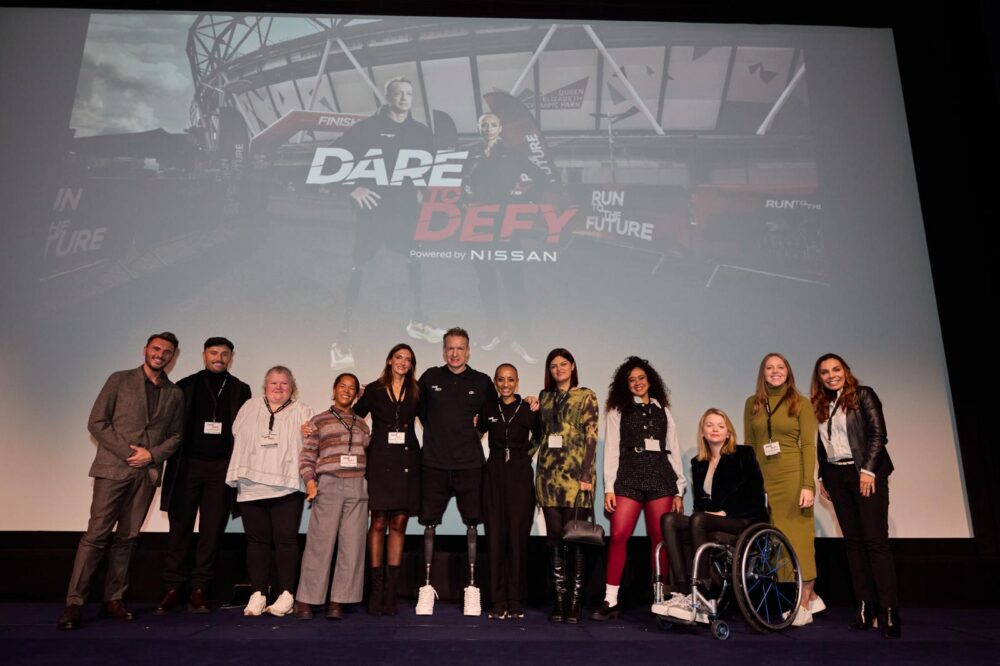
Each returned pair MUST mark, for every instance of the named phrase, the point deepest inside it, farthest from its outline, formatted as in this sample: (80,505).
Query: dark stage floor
(28,636)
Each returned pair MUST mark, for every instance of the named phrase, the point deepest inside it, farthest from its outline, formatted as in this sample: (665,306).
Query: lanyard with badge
(651,444)
(559,401)
(506,427)
(829,421)
(397,435)
(271,438)
(214,427)
(772,448)
(347,460)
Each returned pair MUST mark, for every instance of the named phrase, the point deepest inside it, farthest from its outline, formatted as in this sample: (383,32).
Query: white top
(263,470)
(612,448)
(837,444)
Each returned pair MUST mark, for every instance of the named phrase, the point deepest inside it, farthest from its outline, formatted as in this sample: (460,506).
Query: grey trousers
(339,515)
(124,503)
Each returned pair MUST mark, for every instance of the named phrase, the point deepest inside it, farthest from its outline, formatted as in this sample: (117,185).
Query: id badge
(772,449)
(270,439)
(348,461)
(652,444)
(555,441)
(397,438)
(213,427)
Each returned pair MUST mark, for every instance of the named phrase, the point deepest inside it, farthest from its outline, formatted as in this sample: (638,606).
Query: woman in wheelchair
(728,497)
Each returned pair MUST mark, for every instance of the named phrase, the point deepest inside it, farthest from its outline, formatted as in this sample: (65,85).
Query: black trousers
(684,535)
(201,488)
(509,503)
(865,524)
(273,523)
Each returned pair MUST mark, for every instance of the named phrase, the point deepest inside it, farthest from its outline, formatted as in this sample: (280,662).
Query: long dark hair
(550,384)
(821,397)
(620,398)
(409,380)
(791,393)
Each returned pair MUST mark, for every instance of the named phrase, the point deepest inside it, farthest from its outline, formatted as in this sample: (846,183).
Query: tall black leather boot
(888,623)
(390,594)
(575,609)
(557,568)
(375,595)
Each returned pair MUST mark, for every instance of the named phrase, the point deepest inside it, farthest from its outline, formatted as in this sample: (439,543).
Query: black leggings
(683,535)
(273,522)
(555,518)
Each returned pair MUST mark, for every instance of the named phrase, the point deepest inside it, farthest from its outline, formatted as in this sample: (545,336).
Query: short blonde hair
(704,453)
(280,369)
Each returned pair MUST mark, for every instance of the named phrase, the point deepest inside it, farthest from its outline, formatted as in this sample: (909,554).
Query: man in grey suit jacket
(137,421)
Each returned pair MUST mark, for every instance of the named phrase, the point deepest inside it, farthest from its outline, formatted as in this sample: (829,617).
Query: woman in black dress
(508,491)
(393,470)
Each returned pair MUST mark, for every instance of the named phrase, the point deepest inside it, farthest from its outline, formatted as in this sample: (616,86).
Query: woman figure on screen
(508,496)
(854,469)
(642,466)
(332,464)
(264,469)
(728,495)
(495,176)
(565,474)
(393,471)
(780,425)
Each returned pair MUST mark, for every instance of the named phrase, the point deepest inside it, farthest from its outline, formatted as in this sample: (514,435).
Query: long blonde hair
(791,392)
(705,453)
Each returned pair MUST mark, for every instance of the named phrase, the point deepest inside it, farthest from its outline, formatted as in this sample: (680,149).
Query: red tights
(623,522)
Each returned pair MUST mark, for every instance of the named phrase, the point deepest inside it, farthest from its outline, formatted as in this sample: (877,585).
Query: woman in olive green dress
(780,425)
(565,469)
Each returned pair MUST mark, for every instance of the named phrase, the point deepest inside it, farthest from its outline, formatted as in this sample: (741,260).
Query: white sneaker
(283,605)
(803,616)
(817,605)
(341,357)
(425,600)
(256,605)
(661,607)
(684,610)
(420,331)
(472,605)
(492,344)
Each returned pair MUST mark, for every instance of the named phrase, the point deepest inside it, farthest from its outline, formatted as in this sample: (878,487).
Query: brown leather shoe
(70,618)
(197,602)
(167,603)
(116,609)
(334,611)
(302,611)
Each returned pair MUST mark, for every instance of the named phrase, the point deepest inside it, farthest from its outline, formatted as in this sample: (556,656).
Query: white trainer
(283,604)
(421,331)
(661,607)
(256,605)
(425,600)
(472,605)
(341,357)
(803,616)
(816,605)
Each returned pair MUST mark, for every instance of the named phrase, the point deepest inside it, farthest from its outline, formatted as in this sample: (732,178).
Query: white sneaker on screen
(425,600)
(282,605)
(472,605)
(256,605)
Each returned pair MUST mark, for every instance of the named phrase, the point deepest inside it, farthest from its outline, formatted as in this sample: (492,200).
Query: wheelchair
(758,568)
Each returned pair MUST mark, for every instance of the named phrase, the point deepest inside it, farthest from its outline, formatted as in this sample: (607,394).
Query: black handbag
(584,532)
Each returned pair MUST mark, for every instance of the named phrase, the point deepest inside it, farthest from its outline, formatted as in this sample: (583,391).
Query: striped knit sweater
(321,451)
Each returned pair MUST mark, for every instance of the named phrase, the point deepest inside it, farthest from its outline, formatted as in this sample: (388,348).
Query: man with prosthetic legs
(450,398)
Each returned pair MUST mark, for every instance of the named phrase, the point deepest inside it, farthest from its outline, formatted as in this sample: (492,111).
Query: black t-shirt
(448,404)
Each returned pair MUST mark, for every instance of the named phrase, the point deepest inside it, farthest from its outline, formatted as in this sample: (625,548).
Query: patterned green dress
(573,415)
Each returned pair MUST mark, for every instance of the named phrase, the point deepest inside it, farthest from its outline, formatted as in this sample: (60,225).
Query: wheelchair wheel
(720,630)
(767,581)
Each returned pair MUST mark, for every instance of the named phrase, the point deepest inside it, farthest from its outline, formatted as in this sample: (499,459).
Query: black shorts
(390,224)
(440,485)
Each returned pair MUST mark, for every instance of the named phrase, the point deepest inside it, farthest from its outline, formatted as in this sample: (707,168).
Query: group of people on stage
(225,450)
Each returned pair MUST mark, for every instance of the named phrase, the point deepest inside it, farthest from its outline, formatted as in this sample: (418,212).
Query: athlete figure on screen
(451,396)
(386,214)
(494,176)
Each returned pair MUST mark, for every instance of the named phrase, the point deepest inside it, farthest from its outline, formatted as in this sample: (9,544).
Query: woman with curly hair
(642,466)
(854,469)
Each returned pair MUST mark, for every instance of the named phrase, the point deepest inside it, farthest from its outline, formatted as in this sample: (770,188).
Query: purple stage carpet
(28,636)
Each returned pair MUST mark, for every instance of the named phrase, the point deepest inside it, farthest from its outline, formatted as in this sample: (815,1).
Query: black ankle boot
(606,612)
(888,623)
(864,617)
(575,609)
(389,594)
(557,562)
(375,595)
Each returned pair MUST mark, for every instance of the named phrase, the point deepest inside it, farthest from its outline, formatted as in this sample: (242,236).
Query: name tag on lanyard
(652,444)
(555,441)
(348,461)
(772,449)
(397,437)
(213,427)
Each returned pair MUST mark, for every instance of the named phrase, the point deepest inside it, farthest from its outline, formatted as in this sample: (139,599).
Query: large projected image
(318,189)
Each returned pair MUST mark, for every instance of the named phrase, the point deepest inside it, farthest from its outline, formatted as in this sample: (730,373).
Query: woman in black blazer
(728,497)
(854,469)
